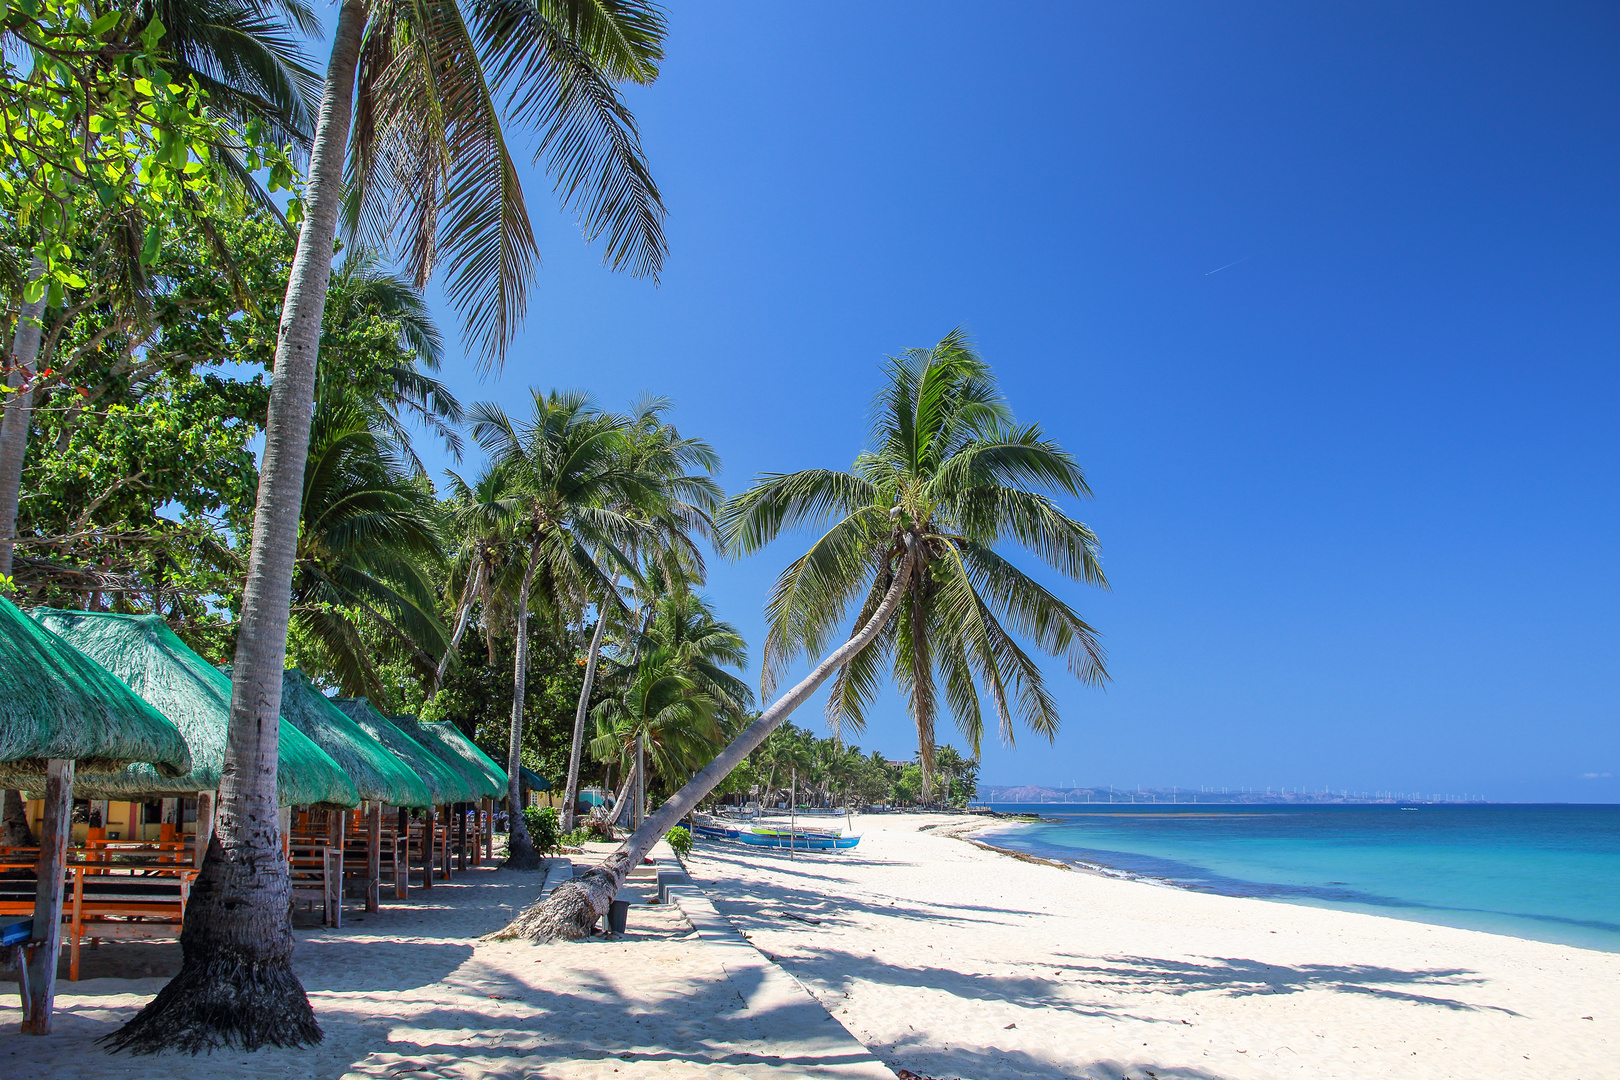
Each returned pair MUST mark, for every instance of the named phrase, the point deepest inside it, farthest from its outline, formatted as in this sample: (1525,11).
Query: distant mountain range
(1034,793)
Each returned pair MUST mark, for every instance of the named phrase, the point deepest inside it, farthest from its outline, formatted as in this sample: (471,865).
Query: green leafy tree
(107,146)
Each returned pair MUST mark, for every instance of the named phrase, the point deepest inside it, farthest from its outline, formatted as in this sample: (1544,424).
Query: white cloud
(1596,775)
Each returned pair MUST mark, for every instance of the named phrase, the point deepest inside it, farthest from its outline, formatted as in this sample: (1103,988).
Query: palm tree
(368,542)
(947,478)
(946,453)
(481,515)
(664,721)
(684,468)
(429,154)
(365,295)
(583,504)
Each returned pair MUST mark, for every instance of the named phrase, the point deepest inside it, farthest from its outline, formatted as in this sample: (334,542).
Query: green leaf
(154,240)
(105,23)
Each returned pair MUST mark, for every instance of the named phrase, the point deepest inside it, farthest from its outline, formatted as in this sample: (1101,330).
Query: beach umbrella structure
(446,786)
(486,779)
(60,711)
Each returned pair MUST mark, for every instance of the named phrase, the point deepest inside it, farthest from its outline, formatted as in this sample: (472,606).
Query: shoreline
(1301,898)
(966,960)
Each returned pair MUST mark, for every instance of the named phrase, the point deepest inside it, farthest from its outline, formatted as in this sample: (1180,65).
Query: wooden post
(205,827)
(39,978)
(335,821)
(489,828)
(374,857)
(444,846)
(169,830)
(429,830)
(402,856)
(461,836)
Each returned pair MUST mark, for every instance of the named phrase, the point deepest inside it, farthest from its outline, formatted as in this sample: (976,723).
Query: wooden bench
(122,895)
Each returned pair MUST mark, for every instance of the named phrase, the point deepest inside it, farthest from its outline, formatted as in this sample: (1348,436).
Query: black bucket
(618,916)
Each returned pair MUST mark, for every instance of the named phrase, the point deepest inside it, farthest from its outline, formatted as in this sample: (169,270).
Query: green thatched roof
(143,652)
(472,776)
(445,784)
(488,779)
(535,781)
(377,773)
(55,702)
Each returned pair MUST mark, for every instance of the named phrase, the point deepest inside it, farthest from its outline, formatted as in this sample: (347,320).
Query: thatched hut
(59,708)
(152,661)
(446,785)
(484,778)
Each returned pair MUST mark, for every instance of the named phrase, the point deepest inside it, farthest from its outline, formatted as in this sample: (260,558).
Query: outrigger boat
(776,836)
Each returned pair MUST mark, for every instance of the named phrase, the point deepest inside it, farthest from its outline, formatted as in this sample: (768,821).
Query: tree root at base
(224,1001)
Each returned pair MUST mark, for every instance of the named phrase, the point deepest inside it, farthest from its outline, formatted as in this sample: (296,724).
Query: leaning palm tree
(423,86)
(584,504)
(965,478)
(948,478)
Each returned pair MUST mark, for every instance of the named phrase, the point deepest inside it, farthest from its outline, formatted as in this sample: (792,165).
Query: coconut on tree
(911,532)
(424,90)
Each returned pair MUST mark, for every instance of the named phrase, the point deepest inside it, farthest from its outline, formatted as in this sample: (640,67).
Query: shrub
(543,823)
(679,840)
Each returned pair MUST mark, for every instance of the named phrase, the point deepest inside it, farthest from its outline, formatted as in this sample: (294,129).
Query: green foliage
(100,144)
(680,840)
(543,823)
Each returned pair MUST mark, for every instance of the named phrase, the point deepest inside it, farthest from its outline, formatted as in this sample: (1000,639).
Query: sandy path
(950,960)
(411,994)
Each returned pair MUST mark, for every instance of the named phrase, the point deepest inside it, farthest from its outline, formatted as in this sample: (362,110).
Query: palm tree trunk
(19,414)
(520,852)
(621,801)
(467,595)
(575,906)
(236,985)
(571,794)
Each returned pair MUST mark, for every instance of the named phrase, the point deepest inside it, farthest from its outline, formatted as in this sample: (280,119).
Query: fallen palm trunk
(575,906)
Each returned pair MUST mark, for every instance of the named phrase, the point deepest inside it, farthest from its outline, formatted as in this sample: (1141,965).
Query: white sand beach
(950,960)
(943,958)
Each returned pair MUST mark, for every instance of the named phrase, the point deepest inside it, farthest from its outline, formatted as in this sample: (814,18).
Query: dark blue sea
(1551,873)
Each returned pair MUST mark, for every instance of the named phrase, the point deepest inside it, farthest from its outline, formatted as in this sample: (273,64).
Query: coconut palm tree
(368,543)
(685,469)
(423,86)
(664,723)
(948,477)
(481,516)
(945,453)
(584,504)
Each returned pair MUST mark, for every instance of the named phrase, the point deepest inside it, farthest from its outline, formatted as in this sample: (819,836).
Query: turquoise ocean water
(1551,873)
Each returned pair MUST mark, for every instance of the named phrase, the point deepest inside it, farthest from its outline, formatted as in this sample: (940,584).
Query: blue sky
(1323,297)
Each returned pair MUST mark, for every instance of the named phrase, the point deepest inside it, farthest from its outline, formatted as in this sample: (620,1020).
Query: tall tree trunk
(236,986)
(14,830)
(467,595)
(575,906)
(621,800)
(520,852)
(571,793)
(18,415)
